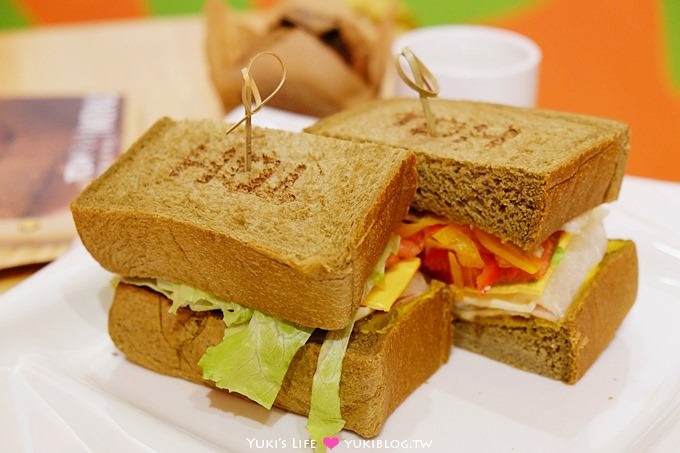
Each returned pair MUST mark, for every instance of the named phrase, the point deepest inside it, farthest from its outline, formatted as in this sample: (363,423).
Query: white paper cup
(475,62)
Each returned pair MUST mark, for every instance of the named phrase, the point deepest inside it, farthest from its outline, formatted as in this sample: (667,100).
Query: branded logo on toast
(459,131)
(270,178)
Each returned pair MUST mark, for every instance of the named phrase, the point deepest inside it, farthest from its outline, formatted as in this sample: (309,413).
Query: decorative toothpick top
(424,82)
(253,102)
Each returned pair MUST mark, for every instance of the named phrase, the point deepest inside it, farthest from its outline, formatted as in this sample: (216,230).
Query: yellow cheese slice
(409,229)
(534,288)
(453,238)
(397,278)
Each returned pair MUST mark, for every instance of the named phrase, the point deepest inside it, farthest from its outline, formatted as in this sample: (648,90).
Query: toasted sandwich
(269,283)
(507,212)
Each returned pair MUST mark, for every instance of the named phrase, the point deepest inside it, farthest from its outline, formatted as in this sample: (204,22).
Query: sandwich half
(269,283)
(507,213)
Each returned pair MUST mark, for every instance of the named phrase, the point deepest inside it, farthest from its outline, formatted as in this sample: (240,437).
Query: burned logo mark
(459,131)
(270,178)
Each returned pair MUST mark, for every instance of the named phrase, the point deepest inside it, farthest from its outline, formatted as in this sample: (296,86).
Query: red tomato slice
(436,262)
(470,276)
(391,260)
(411,246)
(549,246)
(456,271)
(488,275)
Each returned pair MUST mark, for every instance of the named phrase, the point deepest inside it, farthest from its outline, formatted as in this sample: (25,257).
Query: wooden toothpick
(253,102)
(425,83)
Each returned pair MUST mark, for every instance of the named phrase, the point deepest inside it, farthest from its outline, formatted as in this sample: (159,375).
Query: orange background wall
(612,62)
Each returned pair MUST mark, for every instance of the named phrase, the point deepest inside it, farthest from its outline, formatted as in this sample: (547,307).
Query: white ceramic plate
(64,387)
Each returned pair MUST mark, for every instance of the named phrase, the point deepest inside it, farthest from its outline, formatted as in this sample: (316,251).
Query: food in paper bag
(334,57)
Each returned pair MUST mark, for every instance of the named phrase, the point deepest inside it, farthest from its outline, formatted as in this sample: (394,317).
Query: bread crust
(240,262)
(566,349)
(517,173)
(379,369)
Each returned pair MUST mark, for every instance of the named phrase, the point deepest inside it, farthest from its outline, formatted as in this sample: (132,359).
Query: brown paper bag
(334,57)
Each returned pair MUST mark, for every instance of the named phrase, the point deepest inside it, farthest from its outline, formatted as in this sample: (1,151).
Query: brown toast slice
(388,356)
(517,173)
(562,350)
(296,238)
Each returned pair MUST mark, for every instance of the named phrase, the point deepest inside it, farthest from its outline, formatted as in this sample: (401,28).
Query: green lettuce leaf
(378,273)
(557,257)
(253,359)
(324,418)
(256,349)
(183,295)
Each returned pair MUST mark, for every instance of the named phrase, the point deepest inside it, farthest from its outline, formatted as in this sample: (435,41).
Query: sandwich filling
(494,278)
(257,349)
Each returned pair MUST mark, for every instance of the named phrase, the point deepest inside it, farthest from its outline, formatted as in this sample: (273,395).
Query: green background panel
(11,16)
(433,12)
(670,12)
(169,7)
